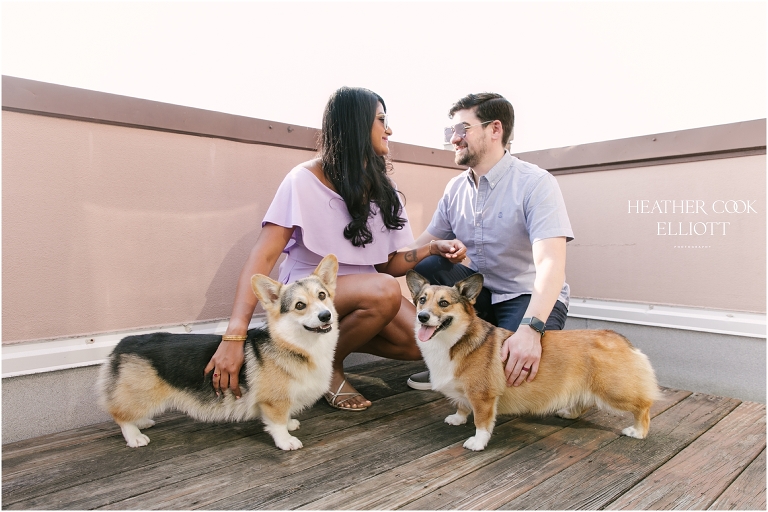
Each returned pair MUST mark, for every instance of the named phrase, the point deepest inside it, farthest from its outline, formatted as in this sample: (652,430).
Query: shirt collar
(497,171)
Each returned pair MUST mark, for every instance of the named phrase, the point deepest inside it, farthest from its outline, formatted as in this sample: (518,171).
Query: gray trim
(40,98)
(712,142)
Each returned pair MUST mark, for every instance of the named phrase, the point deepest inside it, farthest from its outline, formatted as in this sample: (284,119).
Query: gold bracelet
(234,337)
(430,247)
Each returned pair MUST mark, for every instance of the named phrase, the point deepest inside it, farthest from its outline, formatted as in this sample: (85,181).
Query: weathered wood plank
(396,487)
(72,465)
(747,492)
(41,451)
(110,457)
(596,481)
(402,368)
(381,378)
(399,454)
(249,484)
(217,468)
(365,461)
(499,482)
(695,477)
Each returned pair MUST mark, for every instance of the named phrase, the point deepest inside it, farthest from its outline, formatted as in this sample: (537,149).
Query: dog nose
(325,316)
(423,317)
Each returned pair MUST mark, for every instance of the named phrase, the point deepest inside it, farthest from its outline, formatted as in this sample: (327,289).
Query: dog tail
(105,382)
(647,376)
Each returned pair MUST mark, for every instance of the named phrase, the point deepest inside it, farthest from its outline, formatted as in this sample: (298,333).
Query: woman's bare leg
(375,319)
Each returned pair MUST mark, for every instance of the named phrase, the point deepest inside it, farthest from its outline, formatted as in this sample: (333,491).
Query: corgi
(287,367)
(578,368)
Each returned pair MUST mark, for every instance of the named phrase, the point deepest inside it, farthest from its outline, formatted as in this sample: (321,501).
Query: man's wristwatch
(534,323)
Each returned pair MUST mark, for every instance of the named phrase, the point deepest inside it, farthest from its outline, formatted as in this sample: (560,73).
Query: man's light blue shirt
(513,206)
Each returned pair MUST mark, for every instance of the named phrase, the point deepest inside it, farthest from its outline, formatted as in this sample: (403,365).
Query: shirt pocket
(506,227)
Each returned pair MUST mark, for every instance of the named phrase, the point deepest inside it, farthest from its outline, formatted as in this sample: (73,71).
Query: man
(511,216)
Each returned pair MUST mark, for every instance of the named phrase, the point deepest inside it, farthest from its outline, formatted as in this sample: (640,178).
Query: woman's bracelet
(234,337)
(430,247)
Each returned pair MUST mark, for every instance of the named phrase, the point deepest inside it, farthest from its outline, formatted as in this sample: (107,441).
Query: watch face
(534,323)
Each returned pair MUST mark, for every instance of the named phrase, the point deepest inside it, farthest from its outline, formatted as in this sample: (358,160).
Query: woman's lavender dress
(319,216)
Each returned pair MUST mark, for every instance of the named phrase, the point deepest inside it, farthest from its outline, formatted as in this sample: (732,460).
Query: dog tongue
(426,332)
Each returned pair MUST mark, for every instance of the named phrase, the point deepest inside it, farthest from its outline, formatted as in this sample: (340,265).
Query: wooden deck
(703,452)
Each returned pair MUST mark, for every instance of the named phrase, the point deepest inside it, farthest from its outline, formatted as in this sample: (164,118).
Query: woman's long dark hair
(351,165)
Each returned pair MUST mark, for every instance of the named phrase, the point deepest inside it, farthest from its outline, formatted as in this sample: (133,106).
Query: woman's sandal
(333,399)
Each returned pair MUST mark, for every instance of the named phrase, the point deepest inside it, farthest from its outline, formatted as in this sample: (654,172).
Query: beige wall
(108,228)
(618,255)
(136,220)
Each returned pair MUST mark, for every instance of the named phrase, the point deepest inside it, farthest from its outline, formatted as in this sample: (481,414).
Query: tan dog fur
(287,366)
(578,368)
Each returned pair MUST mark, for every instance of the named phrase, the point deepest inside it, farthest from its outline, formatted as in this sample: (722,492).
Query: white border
(61,354)
(733,323)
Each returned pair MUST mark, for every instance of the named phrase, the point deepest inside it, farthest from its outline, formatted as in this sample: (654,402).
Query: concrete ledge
(717,364)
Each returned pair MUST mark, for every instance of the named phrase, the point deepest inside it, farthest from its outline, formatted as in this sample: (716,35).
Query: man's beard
(470,158)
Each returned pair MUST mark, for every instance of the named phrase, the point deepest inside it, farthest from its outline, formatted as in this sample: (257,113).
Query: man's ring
(526,369)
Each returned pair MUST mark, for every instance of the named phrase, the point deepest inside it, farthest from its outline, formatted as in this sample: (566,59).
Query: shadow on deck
(703,452)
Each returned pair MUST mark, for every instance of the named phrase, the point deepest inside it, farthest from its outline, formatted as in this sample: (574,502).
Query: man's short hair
(490,107)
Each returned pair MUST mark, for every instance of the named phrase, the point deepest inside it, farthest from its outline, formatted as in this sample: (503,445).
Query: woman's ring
(526,369)
(215,374)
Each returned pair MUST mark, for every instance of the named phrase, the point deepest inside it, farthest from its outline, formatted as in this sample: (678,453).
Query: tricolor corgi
(287,367)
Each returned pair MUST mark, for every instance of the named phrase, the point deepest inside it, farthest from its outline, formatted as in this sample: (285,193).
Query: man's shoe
(420,381)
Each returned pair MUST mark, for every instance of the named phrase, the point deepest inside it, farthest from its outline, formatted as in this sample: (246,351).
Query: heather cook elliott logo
(702,227)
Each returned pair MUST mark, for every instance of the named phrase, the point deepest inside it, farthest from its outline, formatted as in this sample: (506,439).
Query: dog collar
(534,323)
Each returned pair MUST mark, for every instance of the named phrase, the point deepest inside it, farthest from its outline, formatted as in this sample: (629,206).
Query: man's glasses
(460,130)
(384,118)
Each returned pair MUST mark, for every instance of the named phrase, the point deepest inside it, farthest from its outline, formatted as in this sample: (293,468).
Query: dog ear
(471,287)
(416,282)
(267,290)
(326,271)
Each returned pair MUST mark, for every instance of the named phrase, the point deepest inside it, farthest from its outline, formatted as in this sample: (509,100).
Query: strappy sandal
(333,399)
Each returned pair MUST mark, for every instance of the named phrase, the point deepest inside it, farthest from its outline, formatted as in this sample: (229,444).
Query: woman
(341,203)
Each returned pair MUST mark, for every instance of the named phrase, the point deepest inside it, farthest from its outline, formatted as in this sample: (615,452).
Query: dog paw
(293,424)
(632,432)
(138,440)
(475,444)
(145,423)
(456,419)
(567,413)
(289,443)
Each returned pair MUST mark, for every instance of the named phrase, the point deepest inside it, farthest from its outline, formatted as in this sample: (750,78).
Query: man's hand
(226,364)
(453,250)
(521,351)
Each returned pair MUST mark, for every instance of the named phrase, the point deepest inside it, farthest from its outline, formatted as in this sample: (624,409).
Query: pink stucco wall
(621,253)
(108,228)
(111,227)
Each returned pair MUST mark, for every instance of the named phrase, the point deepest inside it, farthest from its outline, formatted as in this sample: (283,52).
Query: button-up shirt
(513,206)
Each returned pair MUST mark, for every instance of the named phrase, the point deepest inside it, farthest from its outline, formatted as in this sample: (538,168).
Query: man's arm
(523,348)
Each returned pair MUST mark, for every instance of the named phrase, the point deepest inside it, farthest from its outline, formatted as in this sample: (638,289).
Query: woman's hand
(229,357)
(226,364)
